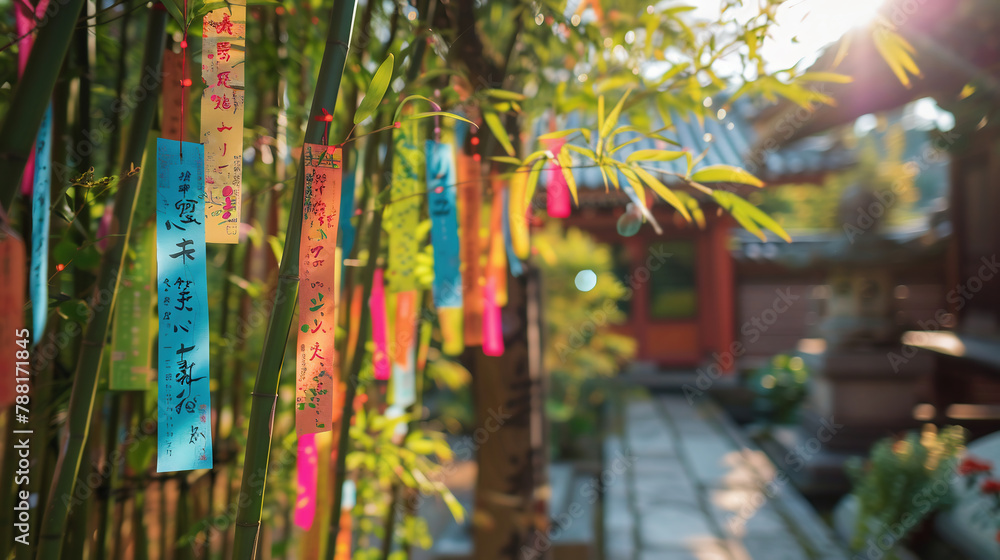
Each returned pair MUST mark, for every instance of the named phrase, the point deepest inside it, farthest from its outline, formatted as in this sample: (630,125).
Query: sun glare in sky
(804,27)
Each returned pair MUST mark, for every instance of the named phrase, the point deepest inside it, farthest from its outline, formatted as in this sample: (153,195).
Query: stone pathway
(682,483)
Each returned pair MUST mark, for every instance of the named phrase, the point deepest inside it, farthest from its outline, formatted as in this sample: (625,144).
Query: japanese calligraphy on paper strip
(184,437)
(222,65)
(316,376)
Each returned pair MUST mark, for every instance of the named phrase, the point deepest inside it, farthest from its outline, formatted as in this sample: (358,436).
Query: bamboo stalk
(81,405)
(31,97)
(265,393)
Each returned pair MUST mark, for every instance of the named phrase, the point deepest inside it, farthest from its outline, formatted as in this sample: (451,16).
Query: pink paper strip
(25,24)
(557,193)
(308,459)
(492,326)
(557,198)
(377,303)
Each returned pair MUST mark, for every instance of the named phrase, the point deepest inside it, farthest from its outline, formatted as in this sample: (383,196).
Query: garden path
(683,483)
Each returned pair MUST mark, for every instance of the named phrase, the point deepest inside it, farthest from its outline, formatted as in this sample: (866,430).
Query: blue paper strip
(347,212)
(184,436)
(512,260)
(40,202)
(444,225)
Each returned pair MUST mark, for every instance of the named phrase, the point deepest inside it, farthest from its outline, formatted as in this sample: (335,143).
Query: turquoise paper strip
(184,435)
(444,225)
(40,202)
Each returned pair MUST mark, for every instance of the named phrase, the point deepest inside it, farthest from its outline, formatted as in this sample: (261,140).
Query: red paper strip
(12,277)
(316,381)
(174,72)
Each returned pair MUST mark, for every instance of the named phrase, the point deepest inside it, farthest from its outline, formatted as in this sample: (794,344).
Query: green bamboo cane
(263,403)
(32,94)
(81,404)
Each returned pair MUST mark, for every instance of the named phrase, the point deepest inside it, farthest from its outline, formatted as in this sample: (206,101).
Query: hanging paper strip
(404,357)
(346,211)
(306,467)
(492,325)
(444,225)
(518,209)
(316,380)
(444,238)
(470,207)
(40,226)
(508,236)
(184,437)
(223,54)
(497,262)
(25,23)
(376,302)
(12,278)
(132,330)
(174,71)
(557,197)
(403,246)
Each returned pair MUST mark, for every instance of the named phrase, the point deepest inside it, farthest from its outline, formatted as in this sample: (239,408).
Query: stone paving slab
(696,490)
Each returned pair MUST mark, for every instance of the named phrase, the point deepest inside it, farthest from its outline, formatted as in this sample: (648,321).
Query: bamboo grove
(424,116)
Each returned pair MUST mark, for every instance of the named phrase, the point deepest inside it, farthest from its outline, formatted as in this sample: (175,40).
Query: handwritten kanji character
(185,253)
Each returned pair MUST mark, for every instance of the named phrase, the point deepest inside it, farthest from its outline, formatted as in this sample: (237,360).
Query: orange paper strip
(316,380)
(470,201)
(497,267)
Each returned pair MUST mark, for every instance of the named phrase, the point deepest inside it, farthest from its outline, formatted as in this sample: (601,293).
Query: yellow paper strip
(222,63)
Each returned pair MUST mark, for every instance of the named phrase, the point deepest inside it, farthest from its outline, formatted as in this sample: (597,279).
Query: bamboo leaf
(506,159)
(493,122)
(612,120)
(826,77)
(748,215)
(565,133)
(725,174)
(585,152)
(654,155)
(456,509)
(376,90)
(566,166)
(660,189)
(536,171)
(504,94)
(442,114)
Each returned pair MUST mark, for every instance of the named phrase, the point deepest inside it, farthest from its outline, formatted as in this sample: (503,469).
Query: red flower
(971,465)
(990,486)
(998,536)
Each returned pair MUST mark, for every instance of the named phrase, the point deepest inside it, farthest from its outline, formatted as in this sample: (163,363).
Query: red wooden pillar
(724,296)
